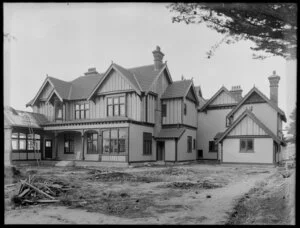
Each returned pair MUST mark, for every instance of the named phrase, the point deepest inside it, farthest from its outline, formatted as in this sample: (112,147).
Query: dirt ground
(185,194)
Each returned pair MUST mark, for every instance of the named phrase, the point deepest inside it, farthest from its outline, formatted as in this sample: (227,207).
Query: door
(200,154)
(48,149)
(160,151)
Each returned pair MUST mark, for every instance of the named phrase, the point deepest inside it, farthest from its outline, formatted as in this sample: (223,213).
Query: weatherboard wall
(191,115)
(173,111)
(182,146)
(263,151)
(264,112)
(223,98)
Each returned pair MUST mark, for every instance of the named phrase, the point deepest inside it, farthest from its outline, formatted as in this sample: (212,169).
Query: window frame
(147,143)
(118,104)
(90,143)
(246,141)
(71,144)
(189,144)
(214,148)
(110,140)
(164,110)
(185,109)
(194,144)
(82,111)
(59,106)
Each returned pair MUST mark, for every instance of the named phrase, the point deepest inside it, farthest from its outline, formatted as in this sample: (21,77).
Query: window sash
(147,143)
(116,106)
(114,140)
(164,110)
(246,146)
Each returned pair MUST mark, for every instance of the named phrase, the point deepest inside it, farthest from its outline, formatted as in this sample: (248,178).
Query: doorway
(160,151)
(48,149)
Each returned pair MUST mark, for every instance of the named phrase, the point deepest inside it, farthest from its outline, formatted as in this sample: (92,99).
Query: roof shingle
(177,89)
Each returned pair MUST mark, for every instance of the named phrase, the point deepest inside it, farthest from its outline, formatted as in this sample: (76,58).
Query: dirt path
(192,208)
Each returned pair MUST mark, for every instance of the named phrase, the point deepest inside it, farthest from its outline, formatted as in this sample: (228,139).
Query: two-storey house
(125,114)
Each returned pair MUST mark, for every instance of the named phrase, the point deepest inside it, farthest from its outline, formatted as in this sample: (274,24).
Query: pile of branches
(36,190)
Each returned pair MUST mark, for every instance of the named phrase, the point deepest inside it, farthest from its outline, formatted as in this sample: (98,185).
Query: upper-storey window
(116,106)
(58,111)
(82,111)
(164,110)
(185,109)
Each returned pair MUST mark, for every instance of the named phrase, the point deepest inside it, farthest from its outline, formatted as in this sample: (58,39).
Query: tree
(291,129)
(271,26)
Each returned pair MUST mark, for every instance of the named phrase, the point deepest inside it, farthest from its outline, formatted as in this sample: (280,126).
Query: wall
(45,109)
(7,146)
(151,102)
(77,147)
(170,149)
(247,127)
(264,112)
(263,151)
(223,98)
(114,82)
(209,124)
(191,116)
(182,154)
(136,143)
(173,111)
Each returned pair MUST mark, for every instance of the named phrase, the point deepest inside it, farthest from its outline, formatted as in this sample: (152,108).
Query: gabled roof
(254,89)
(179,89)
(17,118)
(170,133)
(62,87)
(256,120)
(222,89)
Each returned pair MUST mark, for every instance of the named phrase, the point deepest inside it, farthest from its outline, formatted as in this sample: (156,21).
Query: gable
(223,98)
(254,98)
(114,82)
(191,95)
(160,85)
(247,127)
(46,92)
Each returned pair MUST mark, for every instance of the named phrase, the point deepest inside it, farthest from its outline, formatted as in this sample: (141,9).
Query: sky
(64,40)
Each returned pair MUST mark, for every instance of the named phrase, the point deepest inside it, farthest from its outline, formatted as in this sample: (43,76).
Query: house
(236,129)
(140,114)
(18,139)
(122,115)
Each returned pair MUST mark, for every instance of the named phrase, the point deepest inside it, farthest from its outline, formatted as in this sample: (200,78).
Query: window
(115,140)
(58,111)
(164,110)
(189,144)
(246,146)
(147,146)
(116,106)
(185,109)
(33,142)
(92,142)
(69,144)
(82,111)
(213,147)
(194,144)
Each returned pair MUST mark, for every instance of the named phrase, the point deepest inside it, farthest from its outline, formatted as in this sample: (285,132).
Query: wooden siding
(114,82)
(133,106)
(223,98)
(46,91)
(173,111)
(151,102)
(247,127)
(46,109)
(191,116)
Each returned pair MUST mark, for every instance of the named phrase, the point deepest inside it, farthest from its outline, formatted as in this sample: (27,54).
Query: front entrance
(160,151)
(48,149)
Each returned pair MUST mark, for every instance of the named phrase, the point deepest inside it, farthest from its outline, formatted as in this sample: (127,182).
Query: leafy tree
(291,129)
(271,26)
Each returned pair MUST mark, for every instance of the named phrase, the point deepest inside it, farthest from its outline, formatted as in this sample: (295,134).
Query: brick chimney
(274,80)
(91,71)
(158,58)
(236,91)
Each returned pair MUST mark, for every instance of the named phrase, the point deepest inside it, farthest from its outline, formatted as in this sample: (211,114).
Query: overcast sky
(64,40)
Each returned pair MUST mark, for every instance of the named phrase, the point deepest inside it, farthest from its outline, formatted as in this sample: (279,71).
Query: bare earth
(185,194)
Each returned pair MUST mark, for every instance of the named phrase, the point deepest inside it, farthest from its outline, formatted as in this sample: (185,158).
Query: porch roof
(170,133)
